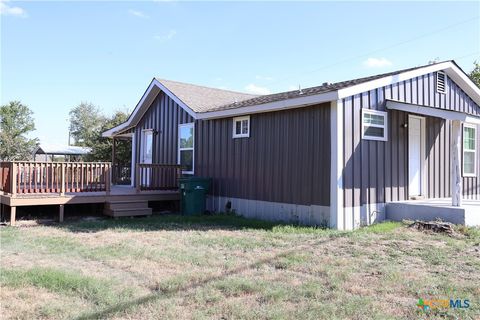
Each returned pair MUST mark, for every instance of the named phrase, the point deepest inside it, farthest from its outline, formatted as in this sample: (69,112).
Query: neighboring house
(335,154)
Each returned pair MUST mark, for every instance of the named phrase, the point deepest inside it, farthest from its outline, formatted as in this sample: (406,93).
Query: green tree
(86,123)
(475,74)
(86,126)
(16,122)
(102,150)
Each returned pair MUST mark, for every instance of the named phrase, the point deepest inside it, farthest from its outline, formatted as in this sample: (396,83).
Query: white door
(415,169)
(147,155)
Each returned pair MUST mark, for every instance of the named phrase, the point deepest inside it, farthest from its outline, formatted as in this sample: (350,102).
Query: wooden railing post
(62,179)
(137,177)
(13,179)
(108,178)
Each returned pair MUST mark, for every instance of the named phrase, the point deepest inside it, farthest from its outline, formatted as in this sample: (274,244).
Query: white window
(374,125)
(186,144)
(241,127)
(469,150)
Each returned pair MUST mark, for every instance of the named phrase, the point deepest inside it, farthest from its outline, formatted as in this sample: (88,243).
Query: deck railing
(157,176)
(23,177)
(121,174)
(5,168)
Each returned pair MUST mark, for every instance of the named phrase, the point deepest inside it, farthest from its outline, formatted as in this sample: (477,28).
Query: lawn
(226,267)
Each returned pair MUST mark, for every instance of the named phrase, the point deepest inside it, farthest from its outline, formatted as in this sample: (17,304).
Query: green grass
(98,291)
(226,266)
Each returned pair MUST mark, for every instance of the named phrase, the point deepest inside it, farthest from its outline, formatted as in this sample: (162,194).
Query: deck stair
(127,208)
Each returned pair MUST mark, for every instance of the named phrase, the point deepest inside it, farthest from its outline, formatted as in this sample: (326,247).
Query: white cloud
(7,10)
(377,63)
(266,78)
(253,88)
(167,36)
(138,14)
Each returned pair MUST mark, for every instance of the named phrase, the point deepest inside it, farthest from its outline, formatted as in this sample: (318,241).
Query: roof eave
(272,106)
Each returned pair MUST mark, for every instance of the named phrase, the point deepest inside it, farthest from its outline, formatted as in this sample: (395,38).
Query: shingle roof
(308,91)
(204,99)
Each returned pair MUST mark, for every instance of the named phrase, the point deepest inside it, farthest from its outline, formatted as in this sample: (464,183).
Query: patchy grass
(98,291)
(231,267)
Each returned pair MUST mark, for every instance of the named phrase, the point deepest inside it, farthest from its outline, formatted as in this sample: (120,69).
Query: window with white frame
(374,125)
(469,149)
(186,145)
(241,127)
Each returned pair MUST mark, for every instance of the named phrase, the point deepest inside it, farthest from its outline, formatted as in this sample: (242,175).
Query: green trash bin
(193,194)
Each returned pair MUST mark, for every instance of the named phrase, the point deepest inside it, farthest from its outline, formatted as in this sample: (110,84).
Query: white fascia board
(175,98)
(110,133)
(144,104)
(381,82)
(431,111)
(271,106)
(462,80)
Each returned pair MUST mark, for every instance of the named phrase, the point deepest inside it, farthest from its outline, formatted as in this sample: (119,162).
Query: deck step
(133,204)
(127,208)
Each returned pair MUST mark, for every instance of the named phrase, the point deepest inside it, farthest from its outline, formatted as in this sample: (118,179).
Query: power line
(379,50)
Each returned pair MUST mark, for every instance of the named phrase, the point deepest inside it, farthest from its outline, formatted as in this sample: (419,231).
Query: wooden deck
(55,183)
(117,193)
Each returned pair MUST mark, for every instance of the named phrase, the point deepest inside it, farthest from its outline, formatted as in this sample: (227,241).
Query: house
(395,145)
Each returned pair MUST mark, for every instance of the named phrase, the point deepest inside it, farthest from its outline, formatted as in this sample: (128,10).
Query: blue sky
(55,55)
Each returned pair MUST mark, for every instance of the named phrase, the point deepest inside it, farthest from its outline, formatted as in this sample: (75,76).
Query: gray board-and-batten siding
(377,171)
(275,165)
(286,159)
(164,116)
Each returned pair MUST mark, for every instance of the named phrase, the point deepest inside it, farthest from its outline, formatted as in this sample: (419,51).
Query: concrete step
(132,204)
(127,212)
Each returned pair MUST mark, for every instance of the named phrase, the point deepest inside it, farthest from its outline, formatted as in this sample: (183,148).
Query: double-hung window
(241,127)
(374,125)
(469,150)
(186,145)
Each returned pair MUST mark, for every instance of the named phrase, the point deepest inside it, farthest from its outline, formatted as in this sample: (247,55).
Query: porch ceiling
(433,112)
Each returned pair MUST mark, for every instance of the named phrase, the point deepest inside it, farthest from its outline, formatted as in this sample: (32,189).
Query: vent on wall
(441,82)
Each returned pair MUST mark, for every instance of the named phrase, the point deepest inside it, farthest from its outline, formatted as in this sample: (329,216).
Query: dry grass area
(225,267)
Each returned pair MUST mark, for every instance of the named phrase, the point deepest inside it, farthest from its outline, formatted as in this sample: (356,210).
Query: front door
(147,154)
(415,155)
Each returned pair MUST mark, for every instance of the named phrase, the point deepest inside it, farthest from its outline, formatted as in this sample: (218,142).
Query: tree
(16,122)
(103,146)
(86,123)
(86,126)
(475,74)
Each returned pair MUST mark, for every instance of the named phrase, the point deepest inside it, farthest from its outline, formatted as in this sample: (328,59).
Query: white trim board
(271,106)
(336,161)
(144,104)
(450,68)
(431,111)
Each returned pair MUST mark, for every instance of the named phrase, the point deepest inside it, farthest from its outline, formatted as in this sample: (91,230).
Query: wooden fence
(157,176)
(22,177)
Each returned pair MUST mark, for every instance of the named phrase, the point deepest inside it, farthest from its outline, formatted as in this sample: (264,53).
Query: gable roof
(203,99)
(307,91)
(209,103)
